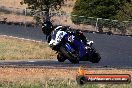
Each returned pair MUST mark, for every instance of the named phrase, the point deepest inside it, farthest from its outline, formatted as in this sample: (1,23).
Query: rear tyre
(60,58)
(72,57)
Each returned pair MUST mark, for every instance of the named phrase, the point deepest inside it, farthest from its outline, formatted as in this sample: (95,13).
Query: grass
(58,83)
(12,3)
(15,49)
(50,83)
(118,85)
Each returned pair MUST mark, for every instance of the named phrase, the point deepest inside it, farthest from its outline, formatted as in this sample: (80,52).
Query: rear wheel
(71,56)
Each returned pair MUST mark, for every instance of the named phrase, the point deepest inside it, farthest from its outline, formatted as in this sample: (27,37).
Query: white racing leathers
(56,36)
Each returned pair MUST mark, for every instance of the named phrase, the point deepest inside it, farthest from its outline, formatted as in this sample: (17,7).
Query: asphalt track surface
(116,51)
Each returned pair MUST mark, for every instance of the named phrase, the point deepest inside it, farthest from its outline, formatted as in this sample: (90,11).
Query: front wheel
(60,58)
(71,56)
(95,58)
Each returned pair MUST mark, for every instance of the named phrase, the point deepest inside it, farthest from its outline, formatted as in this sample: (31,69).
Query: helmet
(47,27)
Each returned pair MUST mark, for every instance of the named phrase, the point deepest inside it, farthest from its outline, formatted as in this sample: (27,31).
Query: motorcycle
(72,47)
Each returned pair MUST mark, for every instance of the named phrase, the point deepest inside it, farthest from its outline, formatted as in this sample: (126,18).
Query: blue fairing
(68,47)
(78,44)
(80,47)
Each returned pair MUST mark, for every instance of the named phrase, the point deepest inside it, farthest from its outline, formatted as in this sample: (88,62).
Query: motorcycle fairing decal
(71,38)
(55,32)
(57,38)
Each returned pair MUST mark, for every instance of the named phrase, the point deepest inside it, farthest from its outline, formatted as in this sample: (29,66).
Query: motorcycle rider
(54,35)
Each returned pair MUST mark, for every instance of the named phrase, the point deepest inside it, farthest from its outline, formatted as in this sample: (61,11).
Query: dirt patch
(16,18)
(7,74)
(15,74)
(12,3)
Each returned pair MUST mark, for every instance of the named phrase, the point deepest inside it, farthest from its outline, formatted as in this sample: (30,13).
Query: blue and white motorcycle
(70,46)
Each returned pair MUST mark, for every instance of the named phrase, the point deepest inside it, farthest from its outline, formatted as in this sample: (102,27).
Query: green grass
(14,49)
(118,85)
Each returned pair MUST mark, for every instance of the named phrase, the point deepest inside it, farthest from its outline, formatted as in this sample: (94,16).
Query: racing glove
(90,43)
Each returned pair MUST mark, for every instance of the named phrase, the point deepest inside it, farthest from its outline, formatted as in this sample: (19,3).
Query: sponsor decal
(83,78)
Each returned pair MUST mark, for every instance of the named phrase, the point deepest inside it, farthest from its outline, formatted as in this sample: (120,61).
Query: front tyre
(71,56)
(95,58)
(60,58)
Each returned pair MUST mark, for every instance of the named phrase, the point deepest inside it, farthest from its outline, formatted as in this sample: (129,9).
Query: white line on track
(31,61)
(21,38)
